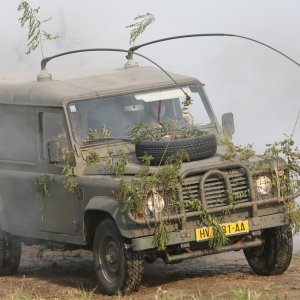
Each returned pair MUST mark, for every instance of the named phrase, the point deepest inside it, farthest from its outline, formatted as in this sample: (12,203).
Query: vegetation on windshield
(144,132)
(168,131)
(94,135)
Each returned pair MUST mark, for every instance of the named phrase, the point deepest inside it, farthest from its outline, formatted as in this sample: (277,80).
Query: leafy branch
(94,135)
(137,28)
(284,158)
(284,149)
(161,236)
(234,152)
(144,132)
(70,181)
(41,186)
(35,33)
(218,238)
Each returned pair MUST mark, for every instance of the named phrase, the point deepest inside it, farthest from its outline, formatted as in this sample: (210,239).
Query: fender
(112,207)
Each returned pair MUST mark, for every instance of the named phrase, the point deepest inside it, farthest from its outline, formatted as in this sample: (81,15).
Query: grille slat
(215,188)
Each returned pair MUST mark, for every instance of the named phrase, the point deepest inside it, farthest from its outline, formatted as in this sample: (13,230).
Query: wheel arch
(99,209)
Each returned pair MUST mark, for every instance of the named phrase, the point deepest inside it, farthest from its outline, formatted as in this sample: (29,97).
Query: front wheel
(118,268)
(274,256)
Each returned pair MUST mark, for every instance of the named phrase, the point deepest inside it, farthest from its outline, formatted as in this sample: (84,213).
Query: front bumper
(189,235)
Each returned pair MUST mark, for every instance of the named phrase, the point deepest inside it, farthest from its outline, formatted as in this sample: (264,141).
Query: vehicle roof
(58,92)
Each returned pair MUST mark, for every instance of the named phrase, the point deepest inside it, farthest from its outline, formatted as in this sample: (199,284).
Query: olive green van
(52,193)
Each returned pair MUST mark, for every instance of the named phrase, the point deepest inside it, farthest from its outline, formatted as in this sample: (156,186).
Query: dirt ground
(70,275)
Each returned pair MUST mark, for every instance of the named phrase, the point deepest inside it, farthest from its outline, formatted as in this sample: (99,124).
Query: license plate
(229,229)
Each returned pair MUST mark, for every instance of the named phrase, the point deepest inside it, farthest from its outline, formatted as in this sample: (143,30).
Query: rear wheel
(10,254)
(274,256)
(118,268)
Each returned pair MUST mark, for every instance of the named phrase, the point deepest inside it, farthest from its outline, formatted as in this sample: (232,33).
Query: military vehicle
(53,193)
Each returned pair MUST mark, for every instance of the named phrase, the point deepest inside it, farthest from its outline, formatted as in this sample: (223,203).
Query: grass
(78,294)
(246,295)
(20,295)
(161,294)
(241,294)
(165,295)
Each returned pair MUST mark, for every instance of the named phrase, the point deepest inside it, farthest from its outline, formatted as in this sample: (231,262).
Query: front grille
(215,190)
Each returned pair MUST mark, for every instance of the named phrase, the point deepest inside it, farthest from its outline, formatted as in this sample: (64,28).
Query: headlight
(263,185)
(156,202)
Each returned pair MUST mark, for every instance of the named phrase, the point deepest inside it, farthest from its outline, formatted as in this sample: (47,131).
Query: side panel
(59,215)
(18,152)
(24,211)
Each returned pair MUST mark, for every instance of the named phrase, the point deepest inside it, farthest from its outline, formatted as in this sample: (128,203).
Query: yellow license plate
(229,229)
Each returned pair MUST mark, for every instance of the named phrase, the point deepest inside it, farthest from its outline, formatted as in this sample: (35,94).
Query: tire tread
(277,252)
(133,264)
(197,148)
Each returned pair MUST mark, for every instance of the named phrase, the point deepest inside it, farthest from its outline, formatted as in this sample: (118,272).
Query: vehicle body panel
(71,218)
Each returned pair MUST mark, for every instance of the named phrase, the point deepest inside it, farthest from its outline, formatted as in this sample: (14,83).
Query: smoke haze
(259,86)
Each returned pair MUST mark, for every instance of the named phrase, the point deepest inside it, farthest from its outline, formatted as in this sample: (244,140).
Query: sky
(259,86)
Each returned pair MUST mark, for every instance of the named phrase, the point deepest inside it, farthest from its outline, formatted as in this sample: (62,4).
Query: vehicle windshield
(113,117)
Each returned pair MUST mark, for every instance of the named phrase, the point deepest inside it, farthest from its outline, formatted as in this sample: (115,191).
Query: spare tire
(197,148)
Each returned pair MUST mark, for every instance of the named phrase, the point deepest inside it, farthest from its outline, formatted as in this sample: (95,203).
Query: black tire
(118,268)
(274,257)
(197,148)
(150,259)
(10,254)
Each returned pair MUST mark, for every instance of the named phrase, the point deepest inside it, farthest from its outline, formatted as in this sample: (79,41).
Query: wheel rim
(110,259)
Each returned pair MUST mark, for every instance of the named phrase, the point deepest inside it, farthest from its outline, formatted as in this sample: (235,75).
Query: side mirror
(228,123)
(54,152)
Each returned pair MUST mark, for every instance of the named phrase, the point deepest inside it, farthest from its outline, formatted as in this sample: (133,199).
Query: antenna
(295,125)
(45,60)
(134,48)
(44,74)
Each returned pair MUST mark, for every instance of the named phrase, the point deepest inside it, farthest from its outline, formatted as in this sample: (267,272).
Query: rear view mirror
(54,152)
(228,123)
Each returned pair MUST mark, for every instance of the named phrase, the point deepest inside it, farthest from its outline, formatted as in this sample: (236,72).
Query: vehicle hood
(133,166)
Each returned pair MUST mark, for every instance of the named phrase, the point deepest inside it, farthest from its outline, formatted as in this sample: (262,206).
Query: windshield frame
(112,139)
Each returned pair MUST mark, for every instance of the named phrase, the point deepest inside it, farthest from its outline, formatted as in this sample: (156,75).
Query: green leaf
(139,27)
(34,36)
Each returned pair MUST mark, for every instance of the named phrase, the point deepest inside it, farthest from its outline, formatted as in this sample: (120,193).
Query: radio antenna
(297,119)
(134,48)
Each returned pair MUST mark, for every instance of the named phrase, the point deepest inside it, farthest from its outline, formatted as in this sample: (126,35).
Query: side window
(52,128)
(17,133)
